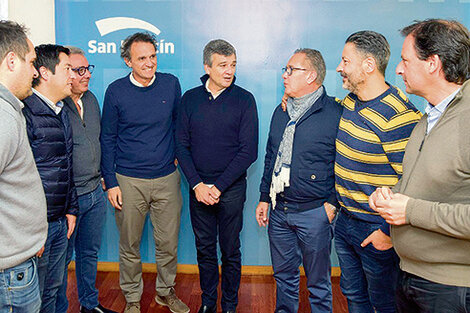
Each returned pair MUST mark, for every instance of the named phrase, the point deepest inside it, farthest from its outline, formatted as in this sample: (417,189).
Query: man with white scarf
(298,181)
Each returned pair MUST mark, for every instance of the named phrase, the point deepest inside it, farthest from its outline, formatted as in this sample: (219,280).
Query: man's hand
(215,193)
(393,210)
(115,197)
(330,211)
(381,193)
(284,102)
(379,240)
(71,219)
(40,252)
(203,194)
(262,213)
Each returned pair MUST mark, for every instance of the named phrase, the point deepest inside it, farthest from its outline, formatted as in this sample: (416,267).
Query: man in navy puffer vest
(50,136)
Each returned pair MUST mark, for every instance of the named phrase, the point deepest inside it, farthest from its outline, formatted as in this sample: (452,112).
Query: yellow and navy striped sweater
(370,146)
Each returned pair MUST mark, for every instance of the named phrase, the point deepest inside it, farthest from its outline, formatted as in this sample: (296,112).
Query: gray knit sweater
(435,242)
(23,223)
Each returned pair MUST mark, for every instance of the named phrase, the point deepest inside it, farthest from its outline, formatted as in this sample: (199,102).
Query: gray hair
(315,59)
(373,44)
(75,50)
(13,39)
(218,46)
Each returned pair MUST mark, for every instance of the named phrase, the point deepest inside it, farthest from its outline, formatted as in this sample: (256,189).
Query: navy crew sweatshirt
(216,139)
(137,129)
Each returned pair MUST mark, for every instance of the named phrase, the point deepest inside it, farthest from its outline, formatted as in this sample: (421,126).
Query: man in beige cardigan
(429,207)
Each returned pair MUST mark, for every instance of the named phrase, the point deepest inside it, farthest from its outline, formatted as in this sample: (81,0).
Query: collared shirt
(135,82)
(434,112)
(80,104)
(216,94)
(56,107)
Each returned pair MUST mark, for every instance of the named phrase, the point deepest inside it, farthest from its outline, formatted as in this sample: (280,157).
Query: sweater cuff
(110,181)
(411,215)
(333,201)
(385,228)
(264,197)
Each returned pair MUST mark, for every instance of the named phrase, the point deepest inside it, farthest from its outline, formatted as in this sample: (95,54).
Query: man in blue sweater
(299,182)
(138,167)
(217,140)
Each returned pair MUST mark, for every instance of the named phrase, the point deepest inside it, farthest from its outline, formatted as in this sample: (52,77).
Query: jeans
(419,295)
(52,264)
(296,237)
(86,241)
(19,288)
(368,276)
(224,219)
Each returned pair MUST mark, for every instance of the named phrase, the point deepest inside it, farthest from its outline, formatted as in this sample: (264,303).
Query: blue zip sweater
(312,177)
(216,140)
(137,129)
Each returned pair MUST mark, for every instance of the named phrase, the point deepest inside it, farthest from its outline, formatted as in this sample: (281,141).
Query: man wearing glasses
(299,181)
(84,115)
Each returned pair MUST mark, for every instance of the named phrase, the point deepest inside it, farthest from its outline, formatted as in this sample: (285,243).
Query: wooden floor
(257,294)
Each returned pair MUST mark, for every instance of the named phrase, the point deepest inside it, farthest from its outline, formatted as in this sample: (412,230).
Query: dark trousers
(295,238)
(368,276)
(419,295)
(224,219)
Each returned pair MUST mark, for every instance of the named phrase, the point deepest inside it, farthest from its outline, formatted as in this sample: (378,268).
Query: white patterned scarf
(296,108)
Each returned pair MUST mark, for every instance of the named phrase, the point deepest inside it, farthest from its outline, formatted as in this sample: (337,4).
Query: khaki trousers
(162,198)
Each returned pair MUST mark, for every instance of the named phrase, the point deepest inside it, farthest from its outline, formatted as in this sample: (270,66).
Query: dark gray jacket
(86,143)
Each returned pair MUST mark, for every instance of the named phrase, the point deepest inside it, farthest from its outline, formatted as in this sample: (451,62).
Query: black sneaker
(98,309)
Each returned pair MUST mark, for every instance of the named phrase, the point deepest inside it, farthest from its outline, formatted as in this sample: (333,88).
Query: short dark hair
(373,44)
(217,46)
(315,59)
(137,37)
(48,56)
(13,39)
(449,40)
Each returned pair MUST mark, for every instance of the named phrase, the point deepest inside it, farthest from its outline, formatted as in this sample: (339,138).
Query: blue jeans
(86,240)
(296,237)
(419,295)
(19,288)
(225,219)
(52,264)
(368,276)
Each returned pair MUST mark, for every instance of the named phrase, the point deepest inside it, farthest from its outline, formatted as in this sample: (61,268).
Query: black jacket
(312,177)
(50,136)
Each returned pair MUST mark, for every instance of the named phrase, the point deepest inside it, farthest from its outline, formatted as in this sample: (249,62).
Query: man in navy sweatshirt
(216,142)
(138,167)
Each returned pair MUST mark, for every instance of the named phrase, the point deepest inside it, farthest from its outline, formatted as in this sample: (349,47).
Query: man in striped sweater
(373,132)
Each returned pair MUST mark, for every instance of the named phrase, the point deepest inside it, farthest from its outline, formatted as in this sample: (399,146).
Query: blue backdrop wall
(265,33)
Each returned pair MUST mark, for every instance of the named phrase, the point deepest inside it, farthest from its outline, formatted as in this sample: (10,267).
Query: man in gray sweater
(23,223)
(429,207)
(84,116)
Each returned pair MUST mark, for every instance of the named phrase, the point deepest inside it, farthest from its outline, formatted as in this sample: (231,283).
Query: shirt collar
(441,106)
(56,107)
(136,83)
(214,94)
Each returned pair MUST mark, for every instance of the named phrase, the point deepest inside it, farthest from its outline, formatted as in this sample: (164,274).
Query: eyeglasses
(82,69)
(290,69)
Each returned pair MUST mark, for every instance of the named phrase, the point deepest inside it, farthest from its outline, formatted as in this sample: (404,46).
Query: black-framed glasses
(290,69)
(82,69)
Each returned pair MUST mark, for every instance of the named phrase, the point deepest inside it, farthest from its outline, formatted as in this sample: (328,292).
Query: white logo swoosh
(112,24)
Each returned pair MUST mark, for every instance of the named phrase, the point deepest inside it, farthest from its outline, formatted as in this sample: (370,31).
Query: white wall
(37,15)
